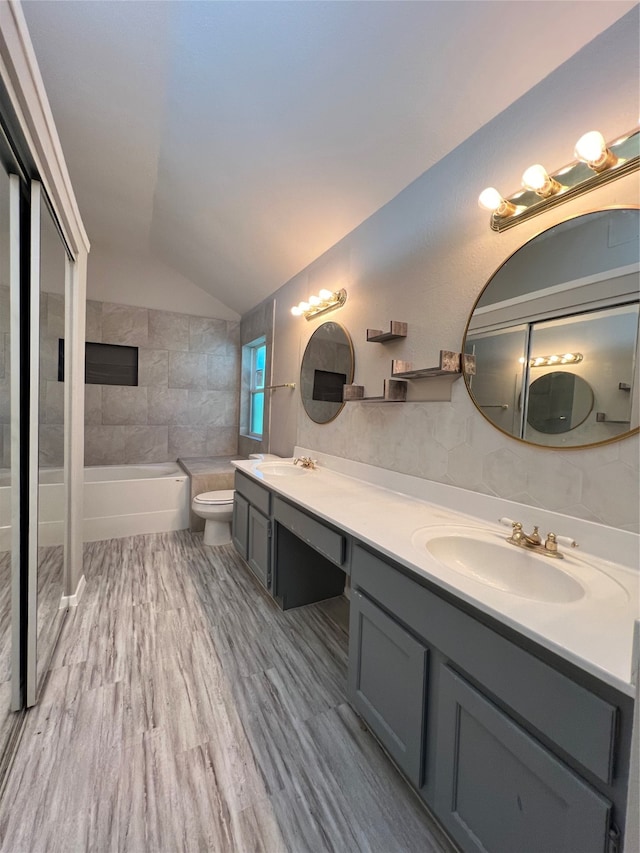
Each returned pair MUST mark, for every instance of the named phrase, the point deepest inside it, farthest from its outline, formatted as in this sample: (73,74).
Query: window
(257,352)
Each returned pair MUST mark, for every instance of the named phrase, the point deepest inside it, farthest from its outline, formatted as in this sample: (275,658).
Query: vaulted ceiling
(237,141)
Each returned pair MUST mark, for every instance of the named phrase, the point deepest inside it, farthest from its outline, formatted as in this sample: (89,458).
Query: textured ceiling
(237,141)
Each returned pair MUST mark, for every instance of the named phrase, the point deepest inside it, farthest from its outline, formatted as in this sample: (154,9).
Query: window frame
(257,385)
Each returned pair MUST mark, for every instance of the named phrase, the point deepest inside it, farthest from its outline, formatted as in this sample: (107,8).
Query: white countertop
(384,509)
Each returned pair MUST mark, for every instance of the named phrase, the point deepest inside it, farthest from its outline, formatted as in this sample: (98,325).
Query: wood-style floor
(184,712)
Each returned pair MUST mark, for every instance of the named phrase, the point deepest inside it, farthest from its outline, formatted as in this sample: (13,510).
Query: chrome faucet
(305,461)
(533,541)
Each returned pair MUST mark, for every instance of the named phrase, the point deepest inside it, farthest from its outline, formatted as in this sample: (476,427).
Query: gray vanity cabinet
(240,524)
(499,790)
(513,751)
(259,546)
(251,526)
(387,682)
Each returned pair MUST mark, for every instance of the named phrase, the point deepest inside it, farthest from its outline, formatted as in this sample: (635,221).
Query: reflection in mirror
(327,365)
(7,719)
(53,260)
(565,304)
(558,402)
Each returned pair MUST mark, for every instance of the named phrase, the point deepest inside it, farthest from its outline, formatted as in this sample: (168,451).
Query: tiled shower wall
(186,402)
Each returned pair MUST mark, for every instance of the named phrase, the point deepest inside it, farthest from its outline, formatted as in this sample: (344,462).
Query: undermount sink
(488,559)
(280,469)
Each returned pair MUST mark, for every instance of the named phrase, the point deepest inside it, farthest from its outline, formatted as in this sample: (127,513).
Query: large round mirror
(555,334)
(327,365)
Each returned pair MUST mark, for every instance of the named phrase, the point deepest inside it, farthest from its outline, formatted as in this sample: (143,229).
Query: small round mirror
(559,402)
(327,365)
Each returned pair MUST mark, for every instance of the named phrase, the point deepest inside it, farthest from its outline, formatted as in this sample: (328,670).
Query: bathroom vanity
(509,710)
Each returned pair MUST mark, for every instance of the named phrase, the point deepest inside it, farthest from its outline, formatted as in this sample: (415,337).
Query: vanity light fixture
(536,180)
(325,301)
(597,162)
(550,360)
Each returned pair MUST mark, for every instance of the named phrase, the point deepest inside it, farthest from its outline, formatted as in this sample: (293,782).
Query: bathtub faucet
(305,461)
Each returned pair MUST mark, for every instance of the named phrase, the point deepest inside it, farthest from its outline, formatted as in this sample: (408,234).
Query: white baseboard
(73,600)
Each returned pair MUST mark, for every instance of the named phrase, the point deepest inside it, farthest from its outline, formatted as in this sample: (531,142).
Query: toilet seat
(218,498)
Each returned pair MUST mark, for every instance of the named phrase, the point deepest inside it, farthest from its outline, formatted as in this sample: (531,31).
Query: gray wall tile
(5,313)
(223,441)
(51,445)
(223,372)
(125,324)
(93,321)
(207,408)
(104,445)
(168,406)
(6,445)
(206,335)
(145,443)
(187,370)
(187,441)
(122,404)
(5,401)
(53,403)
(55,315)
(153,367)
(168,330)
(93,404)
(186,401)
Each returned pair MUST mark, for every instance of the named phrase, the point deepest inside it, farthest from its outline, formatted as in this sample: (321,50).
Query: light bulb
(303,306)
(553,359)
(314,300)
(592,149)
(296,311)
(325,294)
(536,180)
(490,199)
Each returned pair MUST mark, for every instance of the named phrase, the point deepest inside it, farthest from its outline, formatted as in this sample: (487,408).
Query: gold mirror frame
(349,375)
(467,378)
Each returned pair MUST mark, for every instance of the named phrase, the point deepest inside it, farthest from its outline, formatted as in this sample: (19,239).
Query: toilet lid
(220,497)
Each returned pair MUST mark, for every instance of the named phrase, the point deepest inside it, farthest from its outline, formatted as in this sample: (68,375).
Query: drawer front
(328,542)
(254,493)
(543,697)
(498,789)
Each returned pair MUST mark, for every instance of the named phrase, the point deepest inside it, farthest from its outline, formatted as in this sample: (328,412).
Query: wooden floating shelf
(450,366)
(393,391)
(396,330)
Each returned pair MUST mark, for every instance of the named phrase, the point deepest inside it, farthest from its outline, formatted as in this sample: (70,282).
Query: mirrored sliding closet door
(47,496)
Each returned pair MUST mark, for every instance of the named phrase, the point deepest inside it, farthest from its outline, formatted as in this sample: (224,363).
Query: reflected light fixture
(597,162)
(326,300)
(550,360)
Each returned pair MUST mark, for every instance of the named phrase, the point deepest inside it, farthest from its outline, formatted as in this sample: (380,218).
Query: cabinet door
(259,546)
(387,683)
(240,524)
(499,790)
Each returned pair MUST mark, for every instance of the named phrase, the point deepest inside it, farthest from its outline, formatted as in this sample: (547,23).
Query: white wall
(423,258)
(146,282)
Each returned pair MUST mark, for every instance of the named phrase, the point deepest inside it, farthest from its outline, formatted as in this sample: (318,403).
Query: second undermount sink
(280,469)
(488,559)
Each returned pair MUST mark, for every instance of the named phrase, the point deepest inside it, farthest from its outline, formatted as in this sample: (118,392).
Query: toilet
(217,510)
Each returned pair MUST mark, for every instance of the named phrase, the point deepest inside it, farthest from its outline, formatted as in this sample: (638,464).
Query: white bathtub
(119,500)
